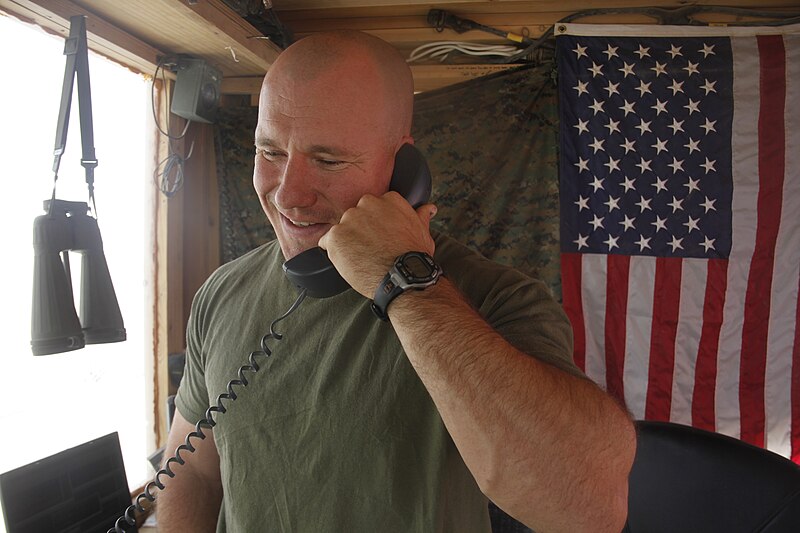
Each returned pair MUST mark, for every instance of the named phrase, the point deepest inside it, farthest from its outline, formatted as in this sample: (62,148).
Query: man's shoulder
(449,249)
(268,252)
(262,258)
(254,266)
(461,260)
(489,285)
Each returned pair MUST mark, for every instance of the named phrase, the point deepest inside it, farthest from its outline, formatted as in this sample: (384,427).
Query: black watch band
(411,270)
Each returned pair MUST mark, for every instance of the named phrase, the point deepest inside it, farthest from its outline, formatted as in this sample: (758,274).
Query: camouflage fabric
(243,224)
(492,147)
(491,144)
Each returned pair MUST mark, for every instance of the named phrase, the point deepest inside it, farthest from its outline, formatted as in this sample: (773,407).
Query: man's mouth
(302,224)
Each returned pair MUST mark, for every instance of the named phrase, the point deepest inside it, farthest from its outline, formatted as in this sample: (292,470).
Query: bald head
(349,66)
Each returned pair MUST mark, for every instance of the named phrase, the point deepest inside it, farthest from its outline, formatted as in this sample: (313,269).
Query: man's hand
(372,234)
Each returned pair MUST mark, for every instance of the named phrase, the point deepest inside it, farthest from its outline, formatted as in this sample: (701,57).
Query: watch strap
(402,277)
(387,291)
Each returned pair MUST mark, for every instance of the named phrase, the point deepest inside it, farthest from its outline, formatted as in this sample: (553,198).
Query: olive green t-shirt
(336,432)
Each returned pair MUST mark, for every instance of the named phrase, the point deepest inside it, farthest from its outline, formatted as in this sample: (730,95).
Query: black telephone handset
(313,271)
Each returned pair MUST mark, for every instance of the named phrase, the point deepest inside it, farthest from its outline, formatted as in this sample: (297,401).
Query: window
(58,401)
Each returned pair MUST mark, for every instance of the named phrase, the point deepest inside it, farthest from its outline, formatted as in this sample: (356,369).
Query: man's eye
(331,164)
(269,155)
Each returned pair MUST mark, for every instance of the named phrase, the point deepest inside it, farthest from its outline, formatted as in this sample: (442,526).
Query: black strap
(76,50)
(386,292)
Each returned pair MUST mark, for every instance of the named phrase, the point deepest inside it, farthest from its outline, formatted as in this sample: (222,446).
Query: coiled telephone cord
(208,422)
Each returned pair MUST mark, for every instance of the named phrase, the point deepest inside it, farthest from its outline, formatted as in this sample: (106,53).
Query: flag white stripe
(777,395)
(744,141)
(638,327)
(593,298)
(694,273)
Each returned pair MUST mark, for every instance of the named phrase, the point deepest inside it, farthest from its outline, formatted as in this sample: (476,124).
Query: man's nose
(296,186)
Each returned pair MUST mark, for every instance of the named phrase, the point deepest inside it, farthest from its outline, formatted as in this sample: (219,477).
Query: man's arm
(191,500)
(549,448)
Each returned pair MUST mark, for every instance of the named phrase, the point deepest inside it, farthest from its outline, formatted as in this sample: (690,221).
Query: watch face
(417,267)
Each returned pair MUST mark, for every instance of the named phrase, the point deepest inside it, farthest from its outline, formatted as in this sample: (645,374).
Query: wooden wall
(187,250)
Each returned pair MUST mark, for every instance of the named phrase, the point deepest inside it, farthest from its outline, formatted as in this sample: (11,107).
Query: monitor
(80,490)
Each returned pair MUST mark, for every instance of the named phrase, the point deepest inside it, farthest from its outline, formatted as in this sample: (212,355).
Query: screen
(83,489)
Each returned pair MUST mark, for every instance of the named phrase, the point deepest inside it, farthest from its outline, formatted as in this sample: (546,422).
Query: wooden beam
(104,38)
(359,4)
(430,77)
(241,85)
(426,78)
(205,29)
(325,9)
(410,29)
(201,230)
(136,32)
(409,38)
(168,335)
(406,33)
(244,36)
(302,23)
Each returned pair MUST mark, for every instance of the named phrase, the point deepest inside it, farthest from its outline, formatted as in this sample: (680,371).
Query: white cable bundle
(441,49)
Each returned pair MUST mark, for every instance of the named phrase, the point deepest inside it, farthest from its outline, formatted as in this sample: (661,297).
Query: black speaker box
(197,91)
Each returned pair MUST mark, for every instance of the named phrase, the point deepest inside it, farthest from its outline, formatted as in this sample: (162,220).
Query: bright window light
(54,402)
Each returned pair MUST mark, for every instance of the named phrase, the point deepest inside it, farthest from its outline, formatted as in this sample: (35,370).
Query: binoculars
(55,326)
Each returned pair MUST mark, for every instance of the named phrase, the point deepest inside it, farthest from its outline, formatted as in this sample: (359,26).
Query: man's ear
(407,139)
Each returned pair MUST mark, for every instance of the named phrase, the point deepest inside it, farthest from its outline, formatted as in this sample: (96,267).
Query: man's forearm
(191,500)
(552,449)
(187,503)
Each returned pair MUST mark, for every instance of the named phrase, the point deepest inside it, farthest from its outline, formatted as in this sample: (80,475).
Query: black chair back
(689,480)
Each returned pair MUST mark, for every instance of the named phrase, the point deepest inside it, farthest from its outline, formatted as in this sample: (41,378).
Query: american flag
(680,226)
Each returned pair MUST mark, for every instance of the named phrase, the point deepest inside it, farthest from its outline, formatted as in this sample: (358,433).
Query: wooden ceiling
(137,32)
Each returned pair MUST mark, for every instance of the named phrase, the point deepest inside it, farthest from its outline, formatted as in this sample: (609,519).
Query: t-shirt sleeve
(528,317)
(191,399)
(517,306)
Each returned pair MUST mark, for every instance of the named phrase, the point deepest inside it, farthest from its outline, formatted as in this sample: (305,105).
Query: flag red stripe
(771,161)
(705,377)
(616,312)
(666,306)
(794,394)
(573,305)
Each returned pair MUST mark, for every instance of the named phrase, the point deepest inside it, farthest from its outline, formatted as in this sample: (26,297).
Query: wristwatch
(412,270)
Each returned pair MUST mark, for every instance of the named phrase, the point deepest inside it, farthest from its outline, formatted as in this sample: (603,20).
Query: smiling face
(328,129)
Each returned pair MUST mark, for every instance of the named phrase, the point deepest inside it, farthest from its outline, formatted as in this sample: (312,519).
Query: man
(356,424)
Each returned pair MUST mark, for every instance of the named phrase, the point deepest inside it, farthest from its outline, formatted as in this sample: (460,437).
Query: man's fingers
(426,213)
